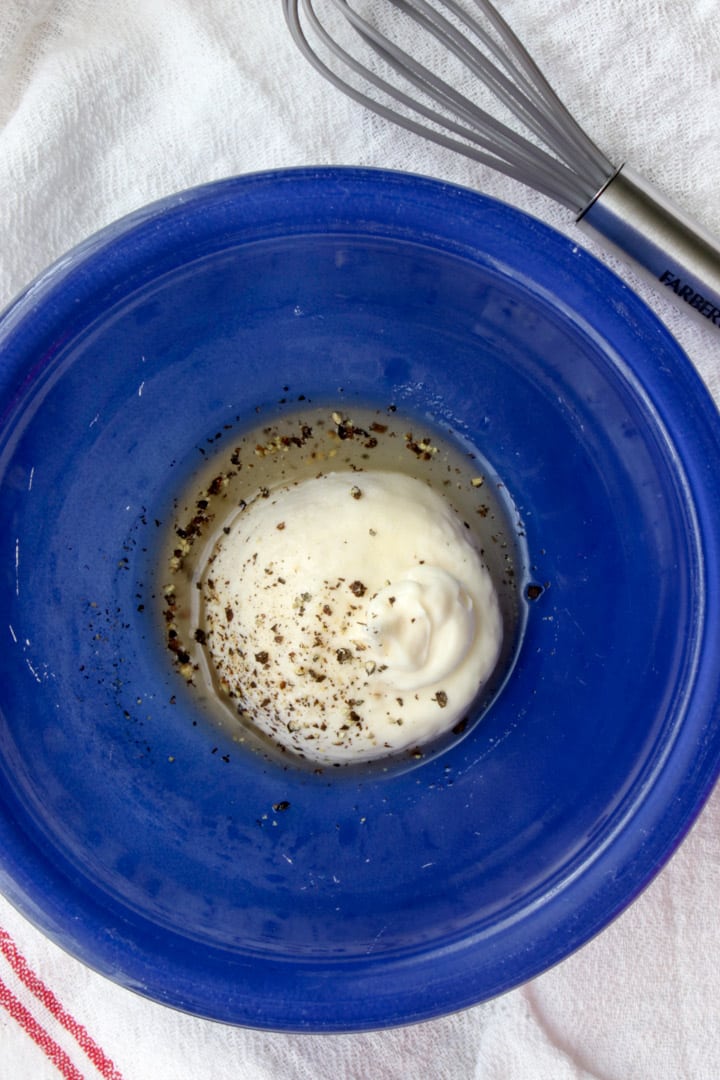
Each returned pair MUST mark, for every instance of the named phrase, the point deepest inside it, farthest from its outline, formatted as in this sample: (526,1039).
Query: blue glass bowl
(372,900)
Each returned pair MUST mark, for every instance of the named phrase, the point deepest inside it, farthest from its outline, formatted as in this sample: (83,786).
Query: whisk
(370,64)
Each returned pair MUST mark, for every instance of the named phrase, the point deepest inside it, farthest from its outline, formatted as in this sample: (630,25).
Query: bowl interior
(147,843)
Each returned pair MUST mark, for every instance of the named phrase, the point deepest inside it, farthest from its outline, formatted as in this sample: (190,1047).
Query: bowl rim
(683,779)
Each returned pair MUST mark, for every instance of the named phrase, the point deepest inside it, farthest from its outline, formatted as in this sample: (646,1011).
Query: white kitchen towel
(104,107)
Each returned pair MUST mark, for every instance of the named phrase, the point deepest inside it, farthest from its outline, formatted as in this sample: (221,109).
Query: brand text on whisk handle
(687,293)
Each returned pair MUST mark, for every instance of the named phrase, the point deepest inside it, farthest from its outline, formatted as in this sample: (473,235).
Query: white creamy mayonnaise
(349,616)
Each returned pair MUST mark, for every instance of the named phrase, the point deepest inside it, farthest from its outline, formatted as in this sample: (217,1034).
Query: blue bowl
(370,900)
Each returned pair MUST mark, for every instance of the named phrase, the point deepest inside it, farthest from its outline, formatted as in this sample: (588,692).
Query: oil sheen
(340,587)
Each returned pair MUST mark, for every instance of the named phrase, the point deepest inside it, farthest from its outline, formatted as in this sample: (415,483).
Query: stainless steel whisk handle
(672,251)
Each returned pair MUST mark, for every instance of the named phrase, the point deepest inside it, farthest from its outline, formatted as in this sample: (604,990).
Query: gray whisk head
(362,56)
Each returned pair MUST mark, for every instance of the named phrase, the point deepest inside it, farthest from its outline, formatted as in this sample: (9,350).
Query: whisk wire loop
(513,89)
(460,47)
(470,151)
(515,95)
(571,172)
(485,129)
(527,73)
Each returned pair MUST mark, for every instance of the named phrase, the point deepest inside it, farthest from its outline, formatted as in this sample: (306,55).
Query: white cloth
(104,107)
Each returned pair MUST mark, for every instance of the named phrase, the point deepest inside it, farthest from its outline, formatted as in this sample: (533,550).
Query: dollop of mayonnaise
(349,616)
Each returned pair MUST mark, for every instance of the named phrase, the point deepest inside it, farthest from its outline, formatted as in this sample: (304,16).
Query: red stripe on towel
(44,994)
(38,1034)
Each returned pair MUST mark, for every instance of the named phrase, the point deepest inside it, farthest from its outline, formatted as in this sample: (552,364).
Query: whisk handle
(682,260)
